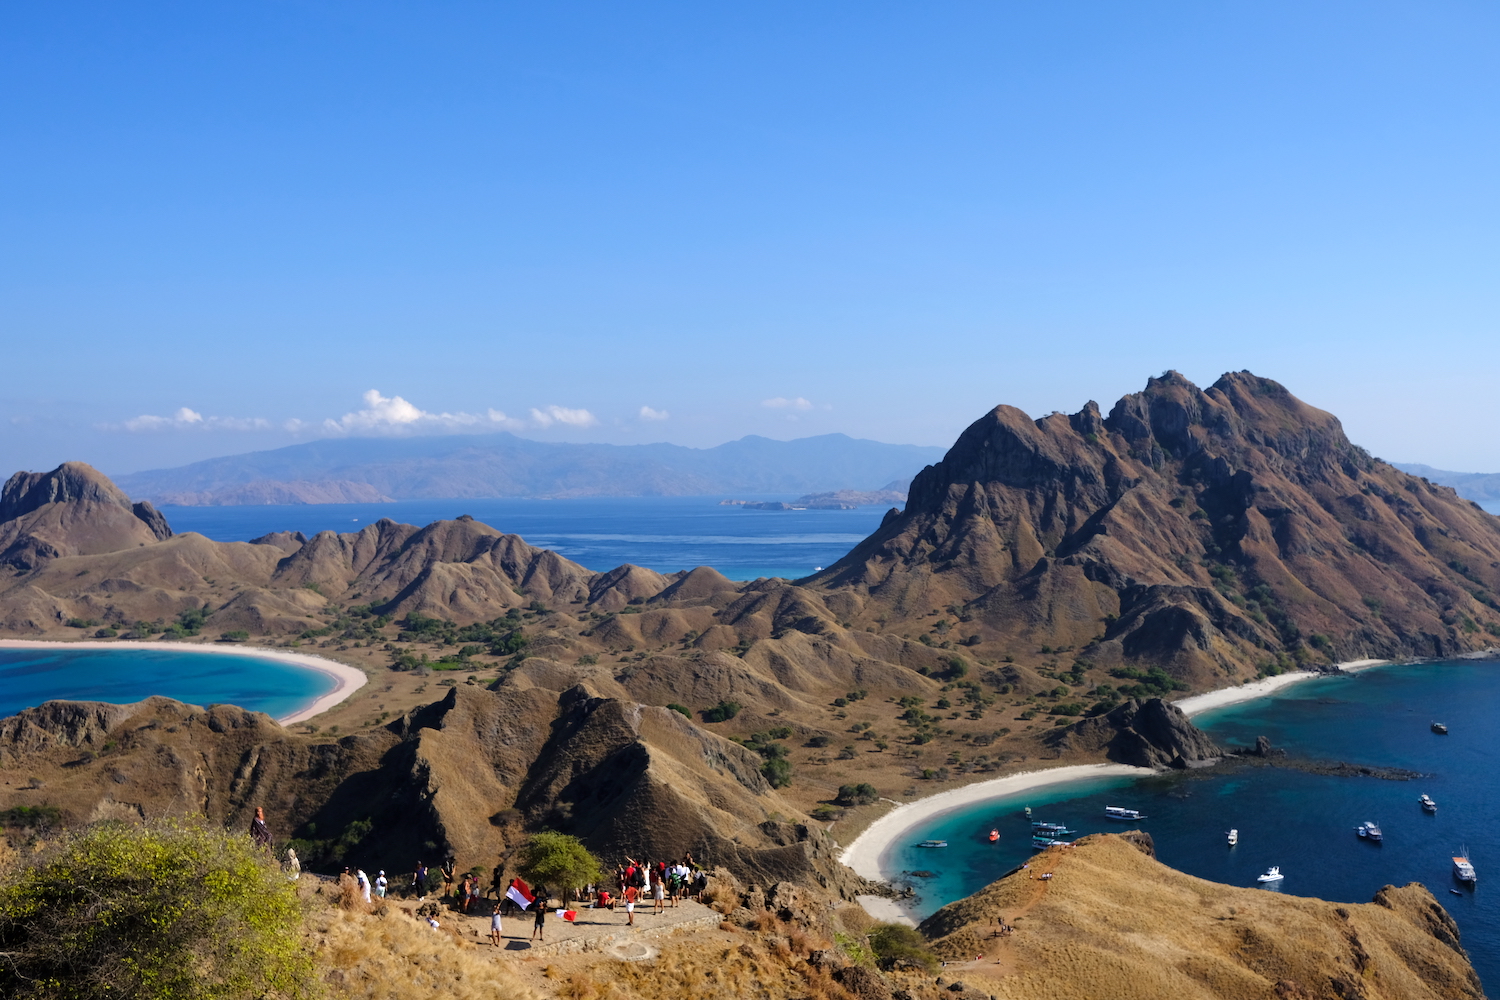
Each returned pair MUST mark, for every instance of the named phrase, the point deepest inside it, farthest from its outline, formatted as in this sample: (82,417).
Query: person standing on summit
(419,881)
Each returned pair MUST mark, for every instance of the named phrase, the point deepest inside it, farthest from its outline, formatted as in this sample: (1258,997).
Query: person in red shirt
(631,893)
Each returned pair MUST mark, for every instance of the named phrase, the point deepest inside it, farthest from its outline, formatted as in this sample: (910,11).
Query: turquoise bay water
(1302,822)
(31,676)
(666,534)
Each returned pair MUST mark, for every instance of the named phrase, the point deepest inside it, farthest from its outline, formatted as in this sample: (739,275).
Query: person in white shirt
(380,884)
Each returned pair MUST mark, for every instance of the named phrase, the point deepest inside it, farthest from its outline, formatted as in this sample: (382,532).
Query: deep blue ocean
(31,676)
(1302,822)
(661,533)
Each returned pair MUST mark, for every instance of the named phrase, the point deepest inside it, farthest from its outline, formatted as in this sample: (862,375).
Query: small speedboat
(1234,837)
(1369,831)
(1120,812)
(1440,729)
(1273,874)
(994,835)
(1427,803)
(933,843)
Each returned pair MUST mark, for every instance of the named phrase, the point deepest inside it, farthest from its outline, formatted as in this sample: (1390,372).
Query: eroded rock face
(1152,733)
(72,510)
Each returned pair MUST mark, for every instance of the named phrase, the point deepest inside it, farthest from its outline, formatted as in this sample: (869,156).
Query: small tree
(722,712)
(557,859)
(778,771)
(861,794)
(897,944)
(162,911)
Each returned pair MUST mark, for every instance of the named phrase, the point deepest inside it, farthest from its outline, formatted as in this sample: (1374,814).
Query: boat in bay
(1369,831)
(1234,837)
(1427,803)
(1440,729)
(1463,869)
(1120,812)
(933,843)
(1273,874)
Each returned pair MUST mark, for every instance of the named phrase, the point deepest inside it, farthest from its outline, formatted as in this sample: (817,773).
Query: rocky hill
(1113,922)
(1469,485)
(71,511)
(1214,533)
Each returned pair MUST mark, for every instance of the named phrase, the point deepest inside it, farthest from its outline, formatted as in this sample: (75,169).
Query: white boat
(1463,870)
(933,843)
(1369,831)
(1273,874)
(1234,837)
(1120,812)
(1427,803)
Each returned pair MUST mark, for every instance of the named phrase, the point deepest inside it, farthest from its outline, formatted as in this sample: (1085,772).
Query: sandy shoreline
(347,679)
(1199,703)
(864,854)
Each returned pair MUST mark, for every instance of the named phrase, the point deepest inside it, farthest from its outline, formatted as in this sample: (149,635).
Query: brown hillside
(1208,531)
(1113,922)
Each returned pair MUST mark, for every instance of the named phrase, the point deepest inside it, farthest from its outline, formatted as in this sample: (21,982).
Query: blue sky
(226,224)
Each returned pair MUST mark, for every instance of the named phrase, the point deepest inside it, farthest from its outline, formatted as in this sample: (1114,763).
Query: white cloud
(782,403)
(185,419)
(394,415)
(647,413)
(562,415)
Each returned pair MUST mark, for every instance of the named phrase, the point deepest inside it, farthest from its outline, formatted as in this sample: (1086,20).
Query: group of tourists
(649,883)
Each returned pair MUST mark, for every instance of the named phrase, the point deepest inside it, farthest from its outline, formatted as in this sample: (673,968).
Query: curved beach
(863,855)
(347,679)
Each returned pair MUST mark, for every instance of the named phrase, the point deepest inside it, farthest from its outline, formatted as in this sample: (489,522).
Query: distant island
(1469,485)
(483,466)
(889,495)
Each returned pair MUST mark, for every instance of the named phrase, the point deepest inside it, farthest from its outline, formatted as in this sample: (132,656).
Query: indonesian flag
(520,893)
(568,915)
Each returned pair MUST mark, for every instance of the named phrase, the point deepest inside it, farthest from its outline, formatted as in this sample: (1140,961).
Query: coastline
(347,679)
(863,855)
(1197,704)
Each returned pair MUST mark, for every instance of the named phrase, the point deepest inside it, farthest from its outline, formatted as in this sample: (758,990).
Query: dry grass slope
(1114,922)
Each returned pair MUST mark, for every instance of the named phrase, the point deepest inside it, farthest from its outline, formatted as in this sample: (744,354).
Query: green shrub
(820,741)
(897,943)
(165,911)
(682,709)
(722,712)
(778,771)
(861,794)
(238,635)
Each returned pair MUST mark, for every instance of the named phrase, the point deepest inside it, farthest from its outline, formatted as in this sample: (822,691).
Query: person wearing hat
(380,883)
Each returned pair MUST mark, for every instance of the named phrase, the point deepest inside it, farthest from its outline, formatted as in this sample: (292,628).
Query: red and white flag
(568,915)
(520,893)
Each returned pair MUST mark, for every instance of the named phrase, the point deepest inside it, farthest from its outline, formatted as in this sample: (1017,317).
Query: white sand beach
(347,679)
(864,854)
(1199,703)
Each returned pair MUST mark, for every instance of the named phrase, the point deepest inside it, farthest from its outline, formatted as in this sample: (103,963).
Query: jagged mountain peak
(1145,535)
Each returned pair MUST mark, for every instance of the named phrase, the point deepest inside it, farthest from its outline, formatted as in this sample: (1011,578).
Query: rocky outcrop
(72,510)
(1153,733)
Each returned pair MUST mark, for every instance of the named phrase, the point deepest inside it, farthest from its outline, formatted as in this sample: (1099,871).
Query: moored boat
(1427,803)
(1369,831)
(1234,837)
(994,835)
(933,843)
(1440,729)
(1120,812)
(1273,874)
(1463,870)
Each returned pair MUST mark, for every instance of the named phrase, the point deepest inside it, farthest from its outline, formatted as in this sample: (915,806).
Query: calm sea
(31,676)
(661,533)
(1302,822)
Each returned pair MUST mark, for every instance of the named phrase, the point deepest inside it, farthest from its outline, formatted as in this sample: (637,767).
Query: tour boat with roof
(1463,870)
(1120,812)
(1273,874)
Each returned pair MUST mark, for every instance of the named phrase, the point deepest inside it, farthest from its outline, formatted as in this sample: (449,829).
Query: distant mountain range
(1470,485)
(357,470)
